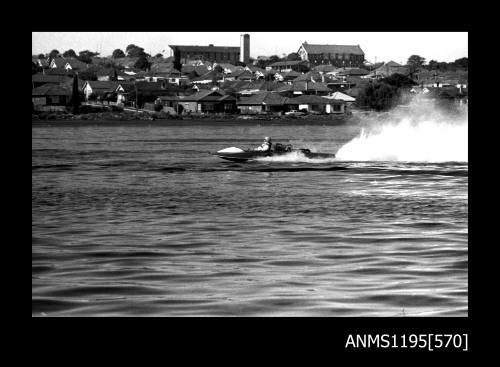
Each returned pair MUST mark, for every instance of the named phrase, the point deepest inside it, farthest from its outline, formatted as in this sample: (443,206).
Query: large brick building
(219,54)
(337,55)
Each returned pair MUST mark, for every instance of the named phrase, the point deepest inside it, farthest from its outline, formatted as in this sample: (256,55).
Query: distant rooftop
(209,48)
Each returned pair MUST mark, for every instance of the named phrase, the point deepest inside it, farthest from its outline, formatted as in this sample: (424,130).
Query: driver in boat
(266,145)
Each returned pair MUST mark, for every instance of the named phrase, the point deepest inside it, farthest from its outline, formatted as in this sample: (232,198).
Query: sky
(377,46)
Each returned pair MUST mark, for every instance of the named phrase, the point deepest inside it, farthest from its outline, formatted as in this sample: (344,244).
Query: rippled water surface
(139,219)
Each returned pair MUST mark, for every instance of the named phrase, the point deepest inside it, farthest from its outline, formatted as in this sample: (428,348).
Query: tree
(86,56)
(75,96)
(135,51)
(433,64)
(462,63)
(377,95)
(41,56)
(274,58)
(399,81)
(53,54)
(239,63)
(414,63)
(293,57)
(118,54)
(142,63)
(69,53)
(158,56)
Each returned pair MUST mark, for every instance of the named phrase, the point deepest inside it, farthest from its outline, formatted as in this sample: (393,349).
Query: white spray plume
(295,157)
(421,133)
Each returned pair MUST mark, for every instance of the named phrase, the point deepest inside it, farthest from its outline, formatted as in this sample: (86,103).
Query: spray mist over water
(295,157)
(421,133)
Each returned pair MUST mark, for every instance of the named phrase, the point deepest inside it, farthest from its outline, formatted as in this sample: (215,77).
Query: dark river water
(138,219)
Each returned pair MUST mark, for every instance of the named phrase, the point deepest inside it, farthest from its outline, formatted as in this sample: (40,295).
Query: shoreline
(148,119)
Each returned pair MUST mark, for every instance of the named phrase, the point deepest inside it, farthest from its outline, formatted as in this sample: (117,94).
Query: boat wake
(422,134)
(296,157)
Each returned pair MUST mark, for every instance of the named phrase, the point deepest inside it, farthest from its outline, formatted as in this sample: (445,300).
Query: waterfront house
(261,102)
(337,55)
(41,79)
(144,92)
(50,97)
(207,101)
(98,88)
(312,103)
(339,96)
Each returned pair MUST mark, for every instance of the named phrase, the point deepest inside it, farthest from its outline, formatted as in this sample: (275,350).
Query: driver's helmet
(267,139)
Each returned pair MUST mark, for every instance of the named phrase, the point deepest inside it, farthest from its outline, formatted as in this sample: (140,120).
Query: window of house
(228,106)
(209,107)
(336,107)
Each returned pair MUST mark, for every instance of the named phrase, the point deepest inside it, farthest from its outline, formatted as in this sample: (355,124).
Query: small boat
(235,154)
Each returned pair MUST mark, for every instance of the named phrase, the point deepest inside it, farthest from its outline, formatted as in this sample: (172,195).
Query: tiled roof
(268,98)
(324,68)
(291,74)
(333,49)
(316,76)
(205,48)
(255,69)
(288,63)
(59,61)
(203,94)
(54,79)
(352,71)
(58,71)
(208,76)
(76,64)
(104,85)
(310,99)
(51,90)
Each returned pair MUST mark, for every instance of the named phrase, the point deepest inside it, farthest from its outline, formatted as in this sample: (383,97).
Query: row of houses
(282,86)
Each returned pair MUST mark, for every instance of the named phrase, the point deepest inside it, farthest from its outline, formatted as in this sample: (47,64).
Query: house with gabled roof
(264,101)
(75,64)
(50,95)
(207,101)
(57,62)
(388,69)
(312,103)
(98,88)
(304,88)
(336,55)
(296,65)
(41,79)
(209,78)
